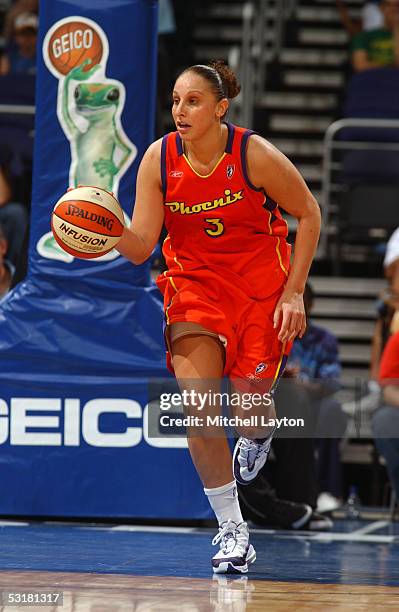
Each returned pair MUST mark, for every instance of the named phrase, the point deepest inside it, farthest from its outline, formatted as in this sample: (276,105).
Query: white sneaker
(319,522)
(236,553)
(249,457)
(327,502)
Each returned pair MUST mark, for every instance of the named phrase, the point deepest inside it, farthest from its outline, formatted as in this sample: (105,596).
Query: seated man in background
(6,268)
(371,17)
(305,391)
(315,370)
(284,494)
(385,421)
(378,48)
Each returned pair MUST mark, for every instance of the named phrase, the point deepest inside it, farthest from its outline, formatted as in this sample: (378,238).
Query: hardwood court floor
(113,592)
(102,568)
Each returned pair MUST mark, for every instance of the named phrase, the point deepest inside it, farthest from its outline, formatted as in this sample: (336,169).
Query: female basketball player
(233,305)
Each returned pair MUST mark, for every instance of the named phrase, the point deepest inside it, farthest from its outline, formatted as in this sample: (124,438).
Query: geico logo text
(66,423)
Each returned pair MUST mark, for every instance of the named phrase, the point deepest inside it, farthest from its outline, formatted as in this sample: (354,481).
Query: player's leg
(198,362)
(253,445)
(260,362)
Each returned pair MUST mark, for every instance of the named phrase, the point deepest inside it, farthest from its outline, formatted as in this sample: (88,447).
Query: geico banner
(78,337)
(95,455)
(37,421)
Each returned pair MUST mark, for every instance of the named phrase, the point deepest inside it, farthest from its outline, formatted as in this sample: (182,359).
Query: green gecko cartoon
(100,152)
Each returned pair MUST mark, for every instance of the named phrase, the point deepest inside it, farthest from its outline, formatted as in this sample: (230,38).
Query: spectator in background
(13,217)
(309,382)
(388,305)
(387,322)
(260,505)
(379,47)
(6,268)
(385,421)
(371,17)
(293,473)
(17,7)
(391,263)
(20,53)
(314,361)
(295,478)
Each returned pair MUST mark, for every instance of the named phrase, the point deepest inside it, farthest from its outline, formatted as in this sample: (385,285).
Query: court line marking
(331,536)
(374,526)
(351,537)
(310,535)
(359,535)
(154,529)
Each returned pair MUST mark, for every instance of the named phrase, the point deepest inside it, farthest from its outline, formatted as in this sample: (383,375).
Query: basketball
(73,43)
(87,222)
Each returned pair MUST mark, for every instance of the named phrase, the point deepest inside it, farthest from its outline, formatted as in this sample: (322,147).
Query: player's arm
(394,282)
(138,241)
(388,374)
(391,395)
(5,188)
(361,61)
(4,65)
(270,169)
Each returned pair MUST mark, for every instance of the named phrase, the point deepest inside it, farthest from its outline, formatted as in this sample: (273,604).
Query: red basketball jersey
(221,222)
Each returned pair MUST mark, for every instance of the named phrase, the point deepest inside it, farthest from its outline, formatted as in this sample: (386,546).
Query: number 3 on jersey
(217,227)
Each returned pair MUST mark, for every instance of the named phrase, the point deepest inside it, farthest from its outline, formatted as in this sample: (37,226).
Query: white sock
(224,503)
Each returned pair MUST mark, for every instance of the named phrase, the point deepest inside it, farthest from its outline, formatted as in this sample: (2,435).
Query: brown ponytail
(222,79)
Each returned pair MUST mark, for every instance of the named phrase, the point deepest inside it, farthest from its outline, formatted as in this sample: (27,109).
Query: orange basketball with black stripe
(87,222)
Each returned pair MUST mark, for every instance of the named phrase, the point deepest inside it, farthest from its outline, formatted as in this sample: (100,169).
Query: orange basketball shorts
(255,357)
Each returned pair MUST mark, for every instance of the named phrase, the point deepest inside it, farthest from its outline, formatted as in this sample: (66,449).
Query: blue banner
(80,340)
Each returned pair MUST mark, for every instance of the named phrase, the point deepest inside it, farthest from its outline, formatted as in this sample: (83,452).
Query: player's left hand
(291,310)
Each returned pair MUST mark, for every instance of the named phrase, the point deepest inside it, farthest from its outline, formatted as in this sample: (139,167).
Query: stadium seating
(362,161)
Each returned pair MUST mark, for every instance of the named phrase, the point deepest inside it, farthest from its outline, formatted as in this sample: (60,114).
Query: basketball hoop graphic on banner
(89,107)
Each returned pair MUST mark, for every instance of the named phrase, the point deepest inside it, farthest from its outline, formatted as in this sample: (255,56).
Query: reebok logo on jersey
(176,173)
